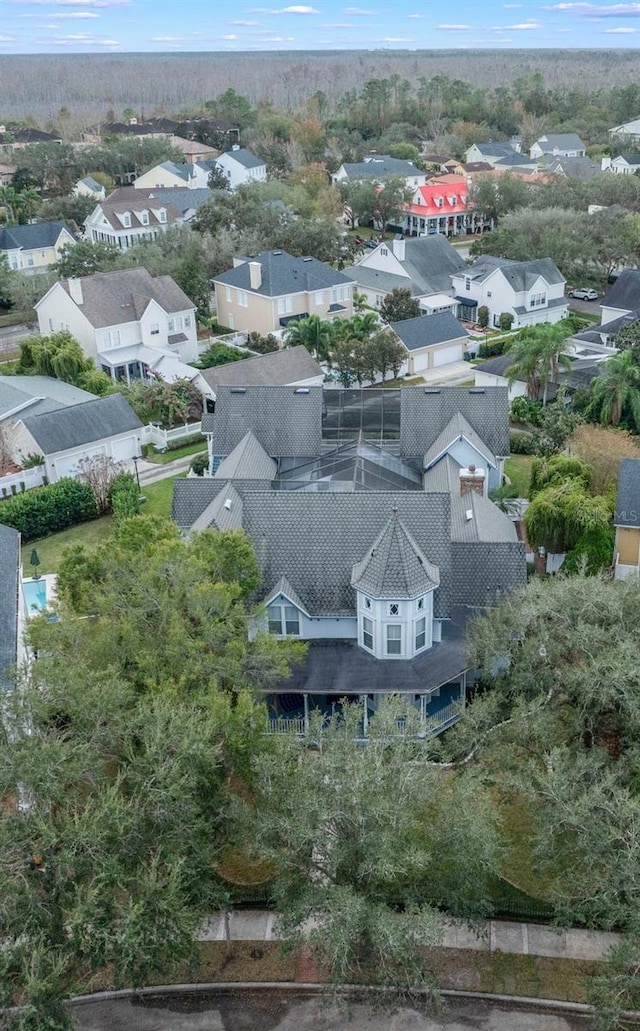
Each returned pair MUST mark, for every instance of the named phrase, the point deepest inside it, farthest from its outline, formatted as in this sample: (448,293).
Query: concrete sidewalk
(151,472)
(489,936)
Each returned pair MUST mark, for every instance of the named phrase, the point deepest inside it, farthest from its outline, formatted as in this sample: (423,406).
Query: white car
(584,293)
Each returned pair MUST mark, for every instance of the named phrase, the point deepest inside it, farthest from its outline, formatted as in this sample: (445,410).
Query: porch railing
(427,727)
(287,725)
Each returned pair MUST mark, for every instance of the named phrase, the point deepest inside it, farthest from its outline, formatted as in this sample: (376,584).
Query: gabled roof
(31,237)
(247,461)
(430,261)
(394,566)
(277,368)
(516,160)
(561,141)
(630,128)
(286,420)
(181,171)
(91,184)
(625,292)
(283,274)
(425,413)
(176,199)
(34,395)
(582,168)
(380,166)
(243,157)
(627,510)
(82,423)
(224,512)
(631,159)
(25,134)
(113,298)
(427,330)
(9,602)
(457,428)
(283,587)
(493,149)
(521,275)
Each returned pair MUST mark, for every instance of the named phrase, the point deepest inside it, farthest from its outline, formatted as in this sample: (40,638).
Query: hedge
(46,510)
(523,443)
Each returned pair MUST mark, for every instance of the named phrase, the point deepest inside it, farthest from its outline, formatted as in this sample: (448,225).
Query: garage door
(420,361)
(123,449)
(68,466)
(443,356)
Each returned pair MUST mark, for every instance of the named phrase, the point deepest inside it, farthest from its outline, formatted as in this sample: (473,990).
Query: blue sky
(99,26)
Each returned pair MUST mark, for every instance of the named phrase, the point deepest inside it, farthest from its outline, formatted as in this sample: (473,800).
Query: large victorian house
(370,517)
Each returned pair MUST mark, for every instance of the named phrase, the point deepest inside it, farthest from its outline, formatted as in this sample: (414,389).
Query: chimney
(75,290)
(471,479)
(236,146)
(255,275)
(398,247)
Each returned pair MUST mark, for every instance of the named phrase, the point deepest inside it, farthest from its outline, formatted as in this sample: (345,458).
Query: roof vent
(237,390)
(469,514)
(476,390)
(432,390)
(307,259)
(227,504)
(301,390)
(277,252)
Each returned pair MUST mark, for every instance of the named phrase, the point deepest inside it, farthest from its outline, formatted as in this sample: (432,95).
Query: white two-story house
(531,291)
(241,167)
(132,325)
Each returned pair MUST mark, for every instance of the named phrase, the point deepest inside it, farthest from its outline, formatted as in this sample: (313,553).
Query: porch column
(305,699)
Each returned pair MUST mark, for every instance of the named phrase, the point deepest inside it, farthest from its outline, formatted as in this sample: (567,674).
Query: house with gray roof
(89,187)
(166,174)
(375,536)
(34,248)
(131,324)
(63,437)
(565,144)
(377,168)
(10,606)
(622,297)
(292,366)
(502,155)
(241,167)
(582,168)
(531,291)
(431,341)
(268,291)
(133,214)
(626,519)
(623,164)
(423,264)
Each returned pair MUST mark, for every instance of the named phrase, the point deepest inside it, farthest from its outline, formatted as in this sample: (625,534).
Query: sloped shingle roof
(427,330)
(426,412)
(379,167)
(247,461)
(82,424)
(456,428)
(284,421)
(31,237)
(627,510)
(625,292)
(561,141)
(244,157)
(283,274)
(394,566)
(277,369)
(112,298)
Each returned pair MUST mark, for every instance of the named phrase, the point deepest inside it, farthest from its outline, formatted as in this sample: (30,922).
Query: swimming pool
(35,595)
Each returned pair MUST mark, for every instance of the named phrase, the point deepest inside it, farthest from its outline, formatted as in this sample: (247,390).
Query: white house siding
(465,455)
(155,315)
(450,353)
(609,314)
(56,311)
(236,172)
(499,296)
(120,448)
(433,357)
(486,379)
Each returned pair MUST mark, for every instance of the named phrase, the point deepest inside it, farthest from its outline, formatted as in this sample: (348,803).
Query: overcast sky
(99,26)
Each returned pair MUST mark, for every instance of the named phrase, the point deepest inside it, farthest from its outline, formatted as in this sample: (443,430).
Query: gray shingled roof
(427,330)
(91,184)
(244,157)
(247,461)
(82,424)
(223,513)
(426,412)
(111,298)
(394,566)
(429,263)
(517,160)
(278,368)
(383,282)
(563,141)
(627,510)
(520,274)
(582,168)
(379,167)
(456,428)
(492,149)
(284,420)
(31,237)
(283,587)
(9,600)
(625,292)
(283,274)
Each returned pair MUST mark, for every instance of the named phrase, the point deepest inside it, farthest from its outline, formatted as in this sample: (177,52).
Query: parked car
(371,243)
(584,293)
(359,240)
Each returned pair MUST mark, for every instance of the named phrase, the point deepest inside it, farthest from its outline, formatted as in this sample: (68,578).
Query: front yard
(518,469)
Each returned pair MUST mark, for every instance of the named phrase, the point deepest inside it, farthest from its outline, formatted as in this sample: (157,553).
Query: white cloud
(416,16)
(76,14)
(229,37)
(359,11)
(298,9)
(395,39)
(453,28)
(338,25)
(511,7)
(596,10)
(73,3)
(242,21)
(7,39)
(523,26)
(621,30)
(167,39)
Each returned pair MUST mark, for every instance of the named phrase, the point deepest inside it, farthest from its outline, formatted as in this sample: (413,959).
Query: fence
(26,479)
(154,434)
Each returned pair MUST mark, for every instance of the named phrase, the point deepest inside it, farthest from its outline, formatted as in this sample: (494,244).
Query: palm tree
(616,393)
(312,333)
(539,358)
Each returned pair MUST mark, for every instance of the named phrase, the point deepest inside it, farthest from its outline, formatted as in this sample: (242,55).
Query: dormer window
(284,620)
(126,220)
(144,218)
(162,215)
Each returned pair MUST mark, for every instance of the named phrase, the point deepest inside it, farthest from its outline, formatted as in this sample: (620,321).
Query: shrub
(176,445)
(490,350)
(527,411)
(32,461)
(523,443)
(46,510)
(124,496)
(505,321)
(200,464)
(483,316)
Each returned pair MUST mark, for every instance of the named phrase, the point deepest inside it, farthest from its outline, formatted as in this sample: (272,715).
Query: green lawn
(162,457)
(518,469)
(96,532)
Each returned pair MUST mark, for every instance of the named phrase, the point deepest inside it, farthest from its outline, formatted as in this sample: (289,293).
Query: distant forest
(91,87)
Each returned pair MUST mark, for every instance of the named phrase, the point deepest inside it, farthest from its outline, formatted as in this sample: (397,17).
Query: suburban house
(626,519)
(34,248)
(128,322)
(268,291)
(423,265)
(167,174)
(241,167)
(34,395)
(292,366)
(503,156)
(624,164)
(11,603)
(63,437)
(16,138)
(622,297)
(378,167)
(582,168)
(130,216)
(431,341)
(89,187)
(192,150)
(566,144)
(587,363)
(628,132)
(444,206)
(376,540)
(531,291)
